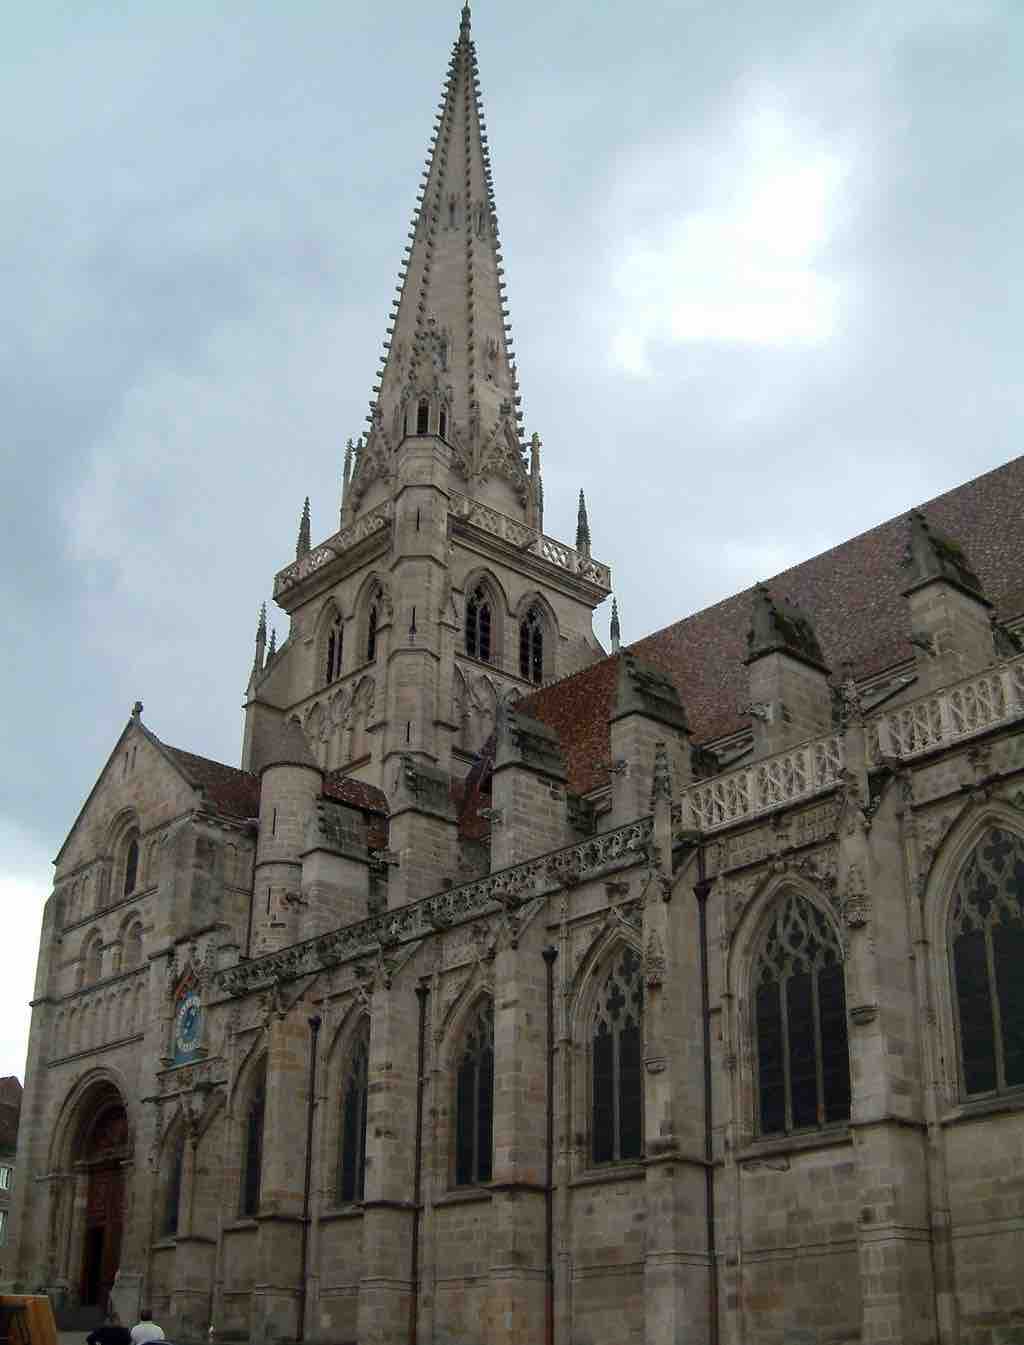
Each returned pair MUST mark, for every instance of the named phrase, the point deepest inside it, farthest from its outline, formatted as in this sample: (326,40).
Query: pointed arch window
(172,1200)
(617,1060)
(803,1059)
(133,947)
(442,427)
(422,416)
(352,1168)
(371,632)
(531,646)
(986,938)
(253,1164)
(94,960)
(479,624)
(131,862)
(332,661)
(474,1106)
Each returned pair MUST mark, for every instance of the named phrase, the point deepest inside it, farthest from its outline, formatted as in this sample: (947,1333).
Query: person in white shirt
(146,1329)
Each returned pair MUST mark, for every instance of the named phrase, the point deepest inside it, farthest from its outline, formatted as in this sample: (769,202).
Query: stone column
(388,1209)
(676,1268)
(517,1272)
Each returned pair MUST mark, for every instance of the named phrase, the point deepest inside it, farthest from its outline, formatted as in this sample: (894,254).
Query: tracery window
(131,863)
(803,1059)
(474,1108)
(253,1164)
(422,416)
(478,625)
(352,1168)
(616,1063)
(172,1200)
(986,938)
(371,633)
(335,638)
(531,646)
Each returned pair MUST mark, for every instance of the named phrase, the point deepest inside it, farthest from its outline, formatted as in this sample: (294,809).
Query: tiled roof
(853,595)
(356,793)
(232,792)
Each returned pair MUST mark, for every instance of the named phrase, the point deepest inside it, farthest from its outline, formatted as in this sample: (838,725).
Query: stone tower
(439,596)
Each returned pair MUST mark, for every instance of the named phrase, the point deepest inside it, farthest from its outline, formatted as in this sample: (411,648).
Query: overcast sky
(764,270)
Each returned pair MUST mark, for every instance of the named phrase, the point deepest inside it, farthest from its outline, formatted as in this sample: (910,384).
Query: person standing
(146,1329)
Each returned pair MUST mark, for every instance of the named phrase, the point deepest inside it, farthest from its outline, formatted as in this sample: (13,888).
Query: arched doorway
(103,1146)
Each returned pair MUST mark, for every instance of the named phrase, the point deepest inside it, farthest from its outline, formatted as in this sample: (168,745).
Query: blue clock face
(187,1024)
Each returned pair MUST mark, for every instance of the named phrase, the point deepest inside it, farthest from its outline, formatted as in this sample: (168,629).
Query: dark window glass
(253,1150)
(353,1133)
(474,1104)
(371,634)
(173,1201)
(617,1063)
(770,1067)
(131,865)
(422,417)
(800,1010)
(443,425)
(332,664)
(987,947)
(478,626)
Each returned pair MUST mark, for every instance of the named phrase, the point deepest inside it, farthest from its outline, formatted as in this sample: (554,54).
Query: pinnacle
(613,630)
(303,543)
(582,528)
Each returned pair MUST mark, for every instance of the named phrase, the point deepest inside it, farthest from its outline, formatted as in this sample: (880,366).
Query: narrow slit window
(253,1168)
(371,634)
(422,416)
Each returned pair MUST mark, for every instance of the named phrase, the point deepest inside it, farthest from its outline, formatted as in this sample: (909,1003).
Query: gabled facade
(514,993)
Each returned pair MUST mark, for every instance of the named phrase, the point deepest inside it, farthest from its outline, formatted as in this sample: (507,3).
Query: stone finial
(137,711)
(931,554)
(346,476)
(582,528)
(272,649)
(661,780)
(615,633)
(777,626)
(302,545)
(261,638)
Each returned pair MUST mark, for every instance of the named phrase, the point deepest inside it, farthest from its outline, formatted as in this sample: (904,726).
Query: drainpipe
(702,889)
(422,991)
(314,1032)
(549,954)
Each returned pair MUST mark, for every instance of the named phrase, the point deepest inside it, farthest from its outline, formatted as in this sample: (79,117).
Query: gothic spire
(582,528)
(448,367)
(302,545)
(616,634)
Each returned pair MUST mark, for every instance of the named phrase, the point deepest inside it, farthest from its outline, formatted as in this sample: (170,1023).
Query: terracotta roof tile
(232,792)
(853,594)
(356,793)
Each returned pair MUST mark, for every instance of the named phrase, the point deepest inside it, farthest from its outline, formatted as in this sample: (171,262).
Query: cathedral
(513,992)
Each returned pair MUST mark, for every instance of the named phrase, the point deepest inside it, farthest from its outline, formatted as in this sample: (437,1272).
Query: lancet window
(474,1107)
(986,938)
(352,1167)
(371,632)
(442,427)
(803,1060)
(531,646)
(131,862)
(253,1164)
(479,624)
(616,1063)
(422,416)
(332,661)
